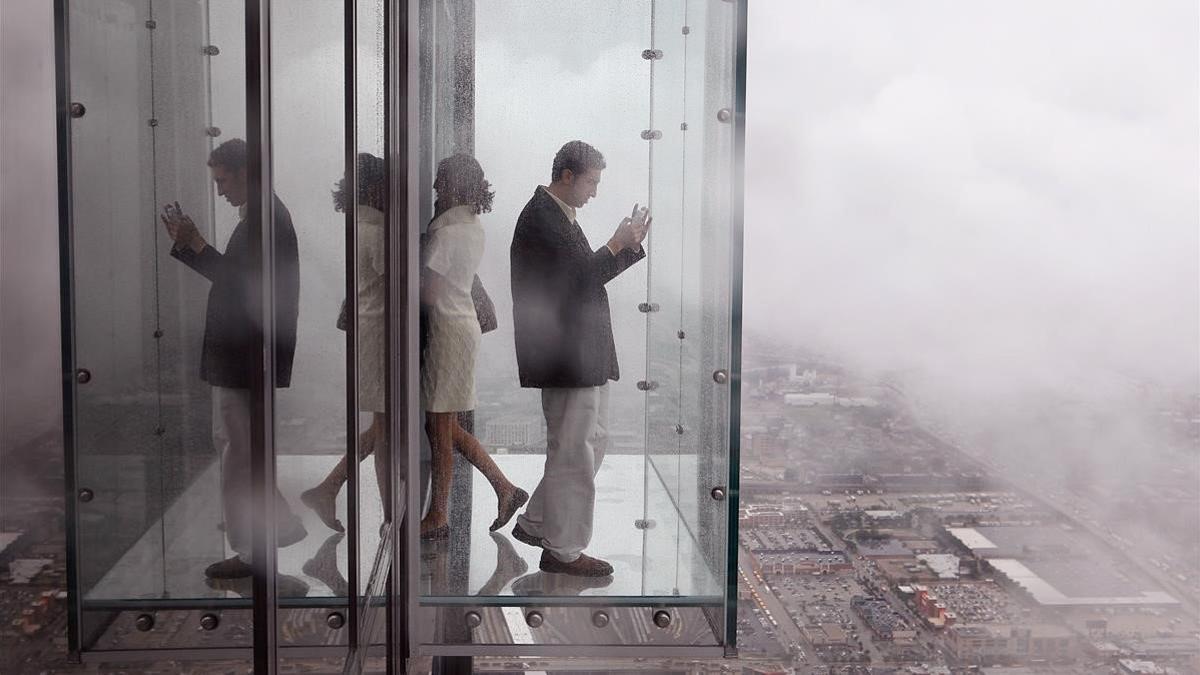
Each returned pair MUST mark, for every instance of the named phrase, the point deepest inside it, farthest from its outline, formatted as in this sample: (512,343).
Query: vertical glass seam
(66,244)
(158,370)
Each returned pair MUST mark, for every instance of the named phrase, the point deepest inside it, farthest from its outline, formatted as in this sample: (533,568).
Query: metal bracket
(151,24)
(651,135)
(652,54)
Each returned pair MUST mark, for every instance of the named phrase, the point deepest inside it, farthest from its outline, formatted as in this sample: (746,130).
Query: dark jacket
(560,308)
(234,303)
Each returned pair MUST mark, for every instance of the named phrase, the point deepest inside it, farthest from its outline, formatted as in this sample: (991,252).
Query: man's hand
(631,232)
(181,228)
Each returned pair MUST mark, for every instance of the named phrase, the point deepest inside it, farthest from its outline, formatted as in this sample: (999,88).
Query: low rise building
(981,643)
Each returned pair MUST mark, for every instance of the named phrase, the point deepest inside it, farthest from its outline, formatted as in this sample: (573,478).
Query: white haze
(996,202)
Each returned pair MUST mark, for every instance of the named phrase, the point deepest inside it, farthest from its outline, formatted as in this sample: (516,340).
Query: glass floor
(662,562)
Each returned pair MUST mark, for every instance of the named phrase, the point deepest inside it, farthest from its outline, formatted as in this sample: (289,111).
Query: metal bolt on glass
(144,622)
(647,385)
(600,619)
(78,110)
(211,50)
(86,495)
(647,307)
(679,429)
(723,115)
(681,335)
(721,376)
(151,24)
(662,618)
(643,524)
(651,135)
(152,122)
(158,334)
(335,620)
(213,132)
(209,622)
(473,619)
(534,619)
(83,376)
(652,54)
(718,493)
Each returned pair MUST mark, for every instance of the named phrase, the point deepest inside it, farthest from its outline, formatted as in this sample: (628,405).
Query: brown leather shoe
(583,566)
(524,537)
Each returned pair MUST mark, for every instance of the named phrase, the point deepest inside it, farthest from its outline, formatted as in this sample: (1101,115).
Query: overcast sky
(1004,193)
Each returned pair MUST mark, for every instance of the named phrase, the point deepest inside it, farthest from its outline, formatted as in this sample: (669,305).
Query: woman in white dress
(449,262)
(370,296)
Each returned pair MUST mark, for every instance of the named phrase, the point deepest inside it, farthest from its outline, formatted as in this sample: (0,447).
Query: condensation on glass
(366,99)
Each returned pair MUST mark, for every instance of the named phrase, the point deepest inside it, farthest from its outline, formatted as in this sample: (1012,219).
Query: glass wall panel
(307,78)
(649,86)
(149,521)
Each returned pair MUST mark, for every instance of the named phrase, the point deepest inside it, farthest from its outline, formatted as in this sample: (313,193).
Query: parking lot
(816,602)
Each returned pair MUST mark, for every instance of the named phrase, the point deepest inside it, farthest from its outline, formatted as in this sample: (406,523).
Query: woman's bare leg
(509,497)
(440,428)
(323,497)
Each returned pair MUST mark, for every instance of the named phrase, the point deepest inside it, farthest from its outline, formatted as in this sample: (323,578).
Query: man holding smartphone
(565,347)
(232,321)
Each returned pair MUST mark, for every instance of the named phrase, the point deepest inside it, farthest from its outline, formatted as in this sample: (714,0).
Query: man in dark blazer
(231,322)
(565,348)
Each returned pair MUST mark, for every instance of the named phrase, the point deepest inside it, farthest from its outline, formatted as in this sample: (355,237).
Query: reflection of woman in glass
(371,284)
(449,262)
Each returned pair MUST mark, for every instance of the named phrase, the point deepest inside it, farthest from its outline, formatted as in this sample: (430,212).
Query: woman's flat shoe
(508,509)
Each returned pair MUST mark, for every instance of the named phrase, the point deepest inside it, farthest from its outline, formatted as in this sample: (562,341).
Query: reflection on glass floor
(169,560)
(663,561)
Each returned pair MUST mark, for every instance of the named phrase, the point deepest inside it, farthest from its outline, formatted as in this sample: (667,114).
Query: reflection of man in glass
(233,315)
(565,348)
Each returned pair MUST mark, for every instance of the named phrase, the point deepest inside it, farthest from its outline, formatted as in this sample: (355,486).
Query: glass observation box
(399,329)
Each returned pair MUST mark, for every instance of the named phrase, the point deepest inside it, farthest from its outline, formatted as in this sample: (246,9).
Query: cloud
(965,188)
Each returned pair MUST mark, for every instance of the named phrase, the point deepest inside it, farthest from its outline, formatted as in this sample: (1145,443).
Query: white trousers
(232,439)
(560,510)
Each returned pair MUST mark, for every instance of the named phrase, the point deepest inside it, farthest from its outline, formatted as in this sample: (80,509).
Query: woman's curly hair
(463,178)
(372,184)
